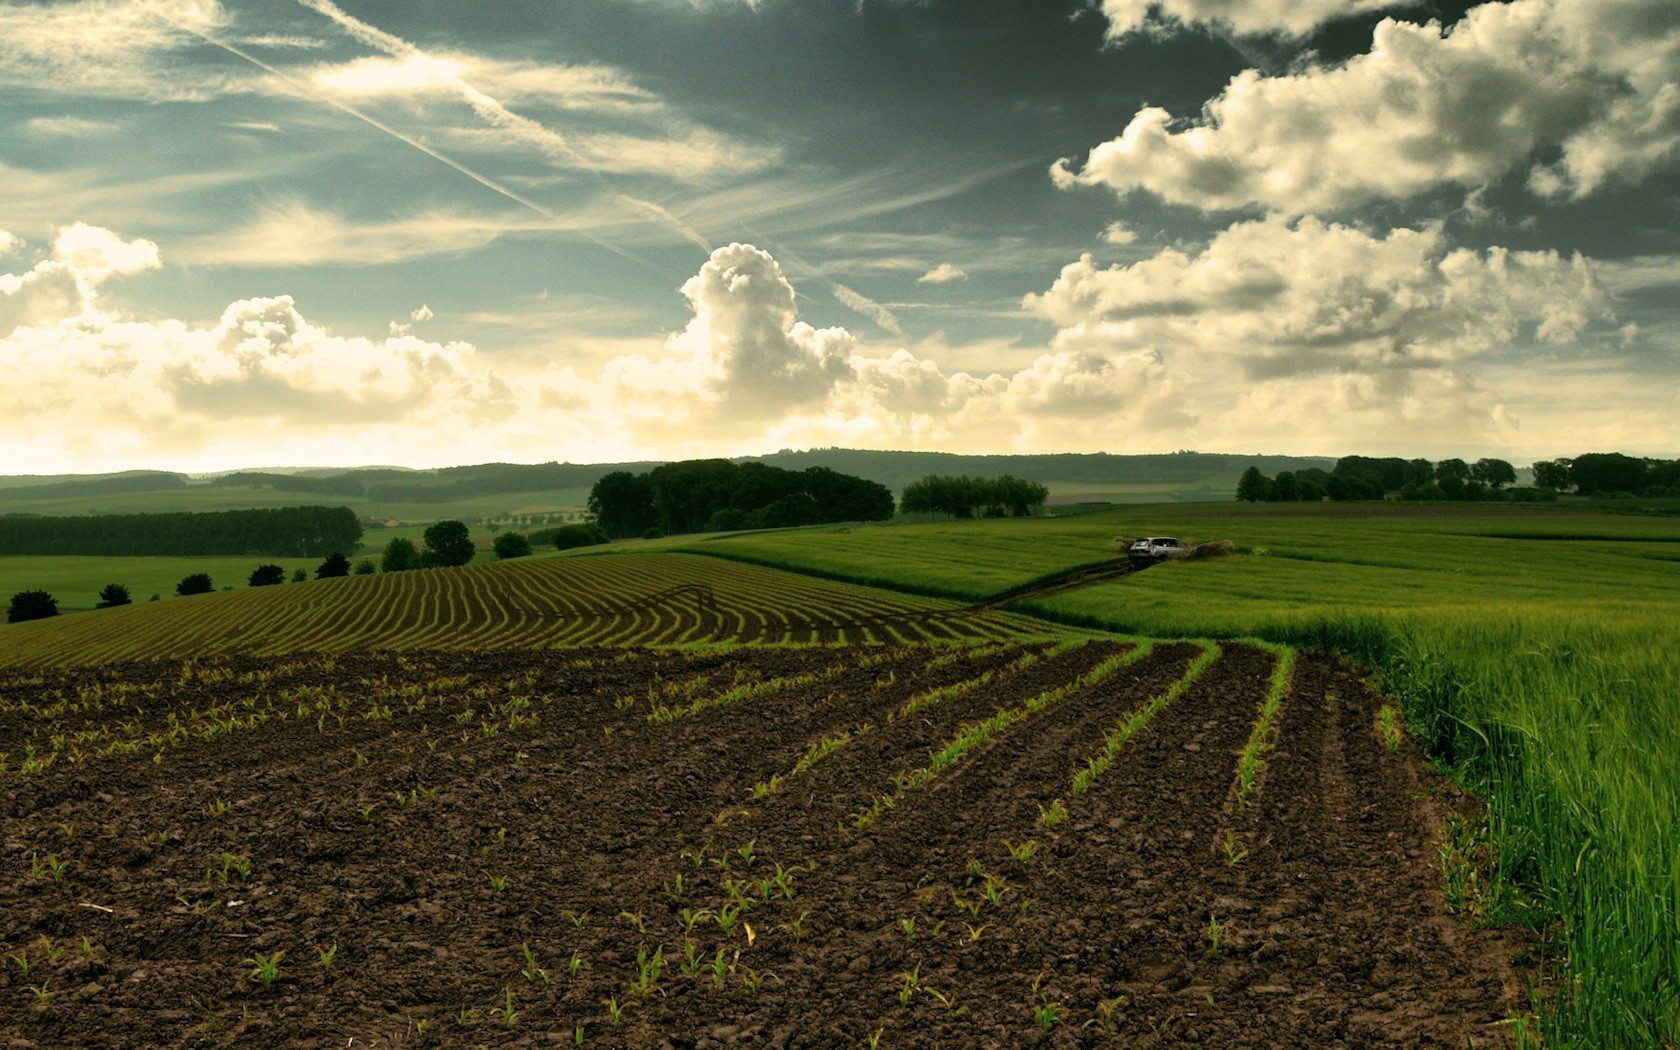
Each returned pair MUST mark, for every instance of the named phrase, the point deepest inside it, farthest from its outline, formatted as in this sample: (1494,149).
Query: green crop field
(75,580)
(539,602)
(1537,650)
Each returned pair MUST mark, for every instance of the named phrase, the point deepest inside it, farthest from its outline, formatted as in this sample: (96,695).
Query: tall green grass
(1535,651)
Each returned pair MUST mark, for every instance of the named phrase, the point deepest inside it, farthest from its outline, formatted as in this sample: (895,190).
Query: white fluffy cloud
(1279,298)
(944,273)
(1315,334)
(1243,17)
(1596,82)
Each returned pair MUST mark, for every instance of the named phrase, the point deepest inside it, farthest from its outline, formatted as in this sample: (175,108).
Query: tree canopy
(715,494)
(400,556)
(195,583)
(448,543)
(966,497)
(297,532)
(512,545)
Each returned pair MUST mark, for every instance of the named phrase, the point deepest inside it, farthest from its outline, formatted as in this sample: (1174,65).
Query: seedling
(874,1040)
(720,968)
(1023,852)
(912,981)
(507,1013)
(577,963)
(746,853)
(688,917)
(1235,851)
(575,918)
(974,932)
(50,867)
(532,971)
(751,979)
(1052,815)
(615,1011)
(327,956)
(465,1017)
(1388,725)
(692,964)
(236,865)
(647,971)
(21,957)
(908,926)
(1047,1014)
(634,918)
(265,969)
(42,992)
(53,952)
(674,888)
(797,927)
(217,808)
(1217,932)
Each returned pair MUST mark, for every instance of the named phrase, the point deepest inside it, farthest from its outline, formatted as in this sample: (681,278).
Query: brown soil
(434,815)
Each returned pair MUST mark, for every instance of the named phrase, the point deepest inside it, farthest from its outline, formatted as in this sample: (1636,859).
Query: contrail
(529,131)
(344,107)
(498,115)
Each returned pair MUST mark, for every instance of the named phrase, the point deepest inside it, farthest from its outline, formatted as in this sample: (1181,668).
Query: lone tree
(400,556)
(267,576)
(197,583)
(31,605)
(113,594)
(449,543)
(512,545)
(335,565)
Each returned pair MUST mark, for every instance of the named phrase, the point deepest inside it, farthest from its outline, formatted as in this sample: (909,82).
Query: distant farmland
(527,603)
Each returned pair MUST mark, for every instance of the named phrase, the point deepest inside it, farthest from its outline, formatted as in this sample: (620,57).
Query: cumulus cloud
(944,273)
(1242,17)
(1279,298)
(1595,82)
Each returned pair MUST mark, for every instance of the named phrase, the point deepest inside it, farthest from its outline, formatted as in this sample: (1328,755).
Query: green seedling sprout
(1235,851)
(1217,932)
(265,969)
(1023,852)
(615,1011)
(720,968)
(1047,1014)
(327,956)
(577,963)
(912,981)
(507,1013)
(1052,815)
(532,971)
(908,926)
(634,918)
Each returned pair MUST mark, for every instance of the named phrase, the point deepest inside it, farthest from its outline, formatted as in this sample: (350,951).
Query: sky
(239,233)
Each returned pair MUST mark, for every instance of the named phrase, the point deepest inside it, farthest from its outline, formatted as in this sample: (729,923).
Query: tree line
(714,495)
(296,532)
(1488,479)
(966,497)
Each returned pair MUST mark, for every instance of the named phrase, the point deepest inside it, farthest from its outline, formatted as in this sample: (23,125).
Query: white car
(1152,549)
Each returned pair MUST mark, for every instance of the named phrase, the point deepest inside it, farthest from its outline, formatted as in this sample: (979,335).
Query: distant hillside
(496,489)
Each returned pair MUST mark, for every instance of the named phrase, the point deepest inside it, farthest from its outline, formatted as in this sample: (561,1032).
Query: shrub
(113,594)
(197,583)
(366,567)
(31,605)
(511,545)
(267,576)
(336,565)
(653,534)
(567,537)
(400,556)
(300,575)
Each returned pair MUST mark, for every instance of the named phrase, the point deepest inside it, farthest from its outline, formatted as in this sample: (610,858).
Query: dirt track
(432,846)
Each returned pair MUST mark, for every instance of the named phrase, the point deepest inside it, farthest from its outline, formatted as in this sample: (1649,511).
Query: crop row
(664,600)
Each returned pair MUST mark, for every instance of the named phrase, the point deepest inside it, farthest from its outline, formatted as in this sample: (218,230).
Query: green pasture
(76,580)
(1536,650)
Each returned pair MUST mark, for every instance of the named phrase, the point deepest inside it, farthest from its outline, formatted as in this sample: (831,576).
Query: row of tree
(1367,478)
(717,495)
(1610,474)
(293,532)
(966,497)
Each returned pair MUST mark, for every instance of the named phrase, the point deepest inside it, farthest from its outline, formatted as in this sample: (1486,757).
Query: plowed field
(772,847)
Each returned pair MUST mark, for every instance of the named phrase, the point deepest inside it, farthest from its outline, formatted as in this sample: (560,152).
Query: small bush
(197,583)
(366,567)
(653,533)
(566,537)
(31,605)
(336,565)
(511,545)
(113,594)
(267,576)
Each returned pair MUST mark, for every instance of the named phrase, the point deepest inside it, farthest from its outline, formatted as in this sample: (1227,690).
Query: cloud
(297,234)
(1276,298)
(1119,233)
(71,127)
(944,273)
(112,49)
(1593,82)
(1241,17)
